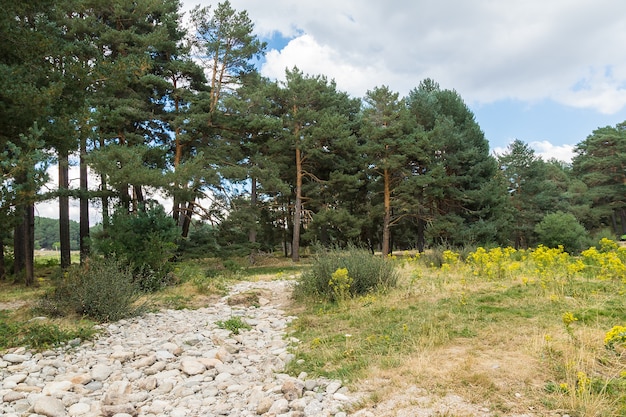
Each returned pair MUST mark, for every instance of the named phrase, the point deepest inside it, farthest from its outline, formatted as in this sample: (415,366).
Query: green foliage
(599,164)
(103,289)
(235,324)
(144,240)
(561,229)
(365,273)
(532,189)
(47,233)
(201,242)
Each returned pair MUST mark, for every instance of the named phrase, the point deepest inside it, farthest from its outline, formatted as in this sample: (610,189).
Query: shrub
(561,229)
(144,240)
(365,273)
(103,290)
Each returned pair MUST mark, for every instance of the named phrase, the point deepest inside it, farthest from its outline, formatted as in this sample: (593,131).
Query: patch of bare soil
(12,305)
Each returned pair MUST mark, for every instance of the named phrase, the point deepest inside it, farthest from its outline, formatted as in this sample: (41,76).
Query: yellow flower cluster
(606,263)
(340,283)
(615,337)
(568,319)
(493,264)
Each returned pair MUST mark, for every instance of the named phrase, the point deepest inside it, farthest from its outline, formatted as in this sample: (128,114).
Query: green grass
(445,328)
(439,320)
(235,324)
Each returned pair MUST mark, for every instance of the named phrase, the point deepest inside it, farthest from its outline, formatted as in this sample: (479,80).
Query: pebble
(173,363)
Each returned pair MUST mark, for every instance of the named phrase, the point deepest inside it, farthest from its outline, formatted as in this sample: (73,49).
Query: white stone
(56,387)
(100,372)
(279,406)
(192,367)
(14,358)
(172,363)
(17,378)
(78,409)
(49,407)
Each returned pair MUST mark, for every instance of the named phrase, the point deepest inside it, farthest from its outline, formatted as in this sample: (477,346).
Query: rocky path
(176,363)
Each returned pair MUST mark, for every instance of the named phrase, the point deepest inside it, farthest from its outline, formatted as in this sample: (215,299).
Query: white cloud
(303,52)
(486,50)
(545,150)
(548,151)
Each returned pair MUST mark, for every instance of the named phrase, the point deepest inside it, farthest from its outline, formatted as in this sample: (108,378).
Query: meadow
(519,331)
(536,331)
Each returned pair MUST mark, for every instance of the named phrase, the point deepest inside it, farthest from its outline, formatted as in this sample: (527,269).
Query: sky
(546,72)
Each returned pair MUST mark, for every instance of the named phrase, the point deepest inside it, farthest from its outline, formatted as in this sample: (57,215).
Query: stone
(100,372)
(264,405)
(192,367)
(15,358)
(12,396)
(117,393)
(49,407)
(57,387)
(333,387)
(280,406)
(292,389)
(78,409)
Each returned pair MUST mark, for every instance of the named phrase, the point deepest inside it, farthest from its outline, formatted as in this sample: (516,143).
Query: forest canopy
(154,109)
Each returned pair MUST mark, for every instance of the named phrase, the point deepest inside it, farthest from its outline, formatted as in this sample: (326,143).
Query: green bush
(562,229)
(145,240)
(366,273)
(103,290)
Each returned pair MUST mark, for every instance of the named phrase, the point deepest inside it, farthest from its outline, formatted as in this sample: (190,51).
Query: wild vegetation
(504,250)
(513,330)
(532,330)
(156,109)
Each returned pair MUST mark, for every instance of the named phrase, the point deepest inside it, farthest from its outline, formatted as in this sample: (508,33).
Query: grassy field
(518,331)
(535,331)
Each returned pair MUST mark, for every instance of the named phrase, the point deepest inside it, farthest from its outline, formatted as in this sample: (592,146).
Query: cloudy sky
(547,72)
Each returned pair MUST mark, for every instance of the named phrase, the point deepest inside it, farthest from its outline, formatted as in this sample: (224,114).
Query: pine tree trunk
(253,200)
(29,245)
(23,245)
(19,257)
(187,219)
(105,197)
(614,222)
(297,214)
(84,204)
(3,271)
(421,239)
(105,202)
(387,216)
(64,209)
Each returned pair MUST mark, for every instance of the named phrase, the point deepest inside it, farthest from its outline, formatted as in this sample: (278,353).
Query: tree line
(156,108)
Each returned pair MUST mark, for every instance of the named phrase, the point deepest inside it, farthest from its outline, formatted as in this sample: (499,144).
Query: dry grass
(500,344)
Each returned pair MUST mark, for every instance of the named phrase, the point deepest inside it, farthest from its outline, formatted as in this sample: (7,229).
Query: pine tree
(29,89)
(315,118)
(392,149)
(599,163)
(467,200)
